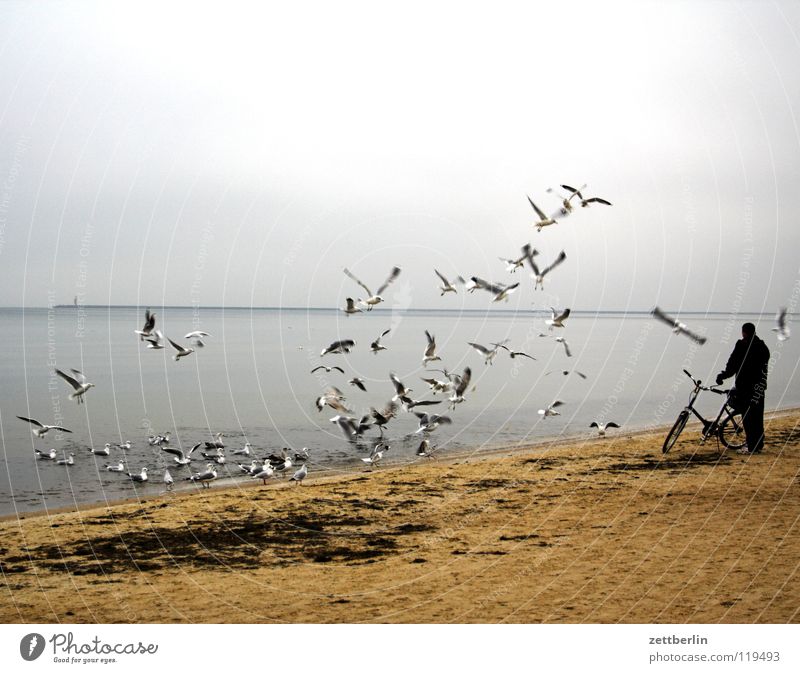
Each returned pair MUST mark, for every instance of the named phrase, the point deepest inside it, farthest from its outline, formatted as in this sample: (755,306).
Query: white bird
(566,201)
(584,202)
(265,472)
(376,454)
(218,456)
(374,299)
(158,440)
(351,307)
(376,345)
(39,429)
(409,404)
(551,410)
(601,427)
(206,477)
(348,426)
(78,383)
(470,285)
(382,417)
(104,451)
(425,450)
(155,341)
(181,351)
(284,466)
(430,350)
(301,474)
(558,318)
(562,340)
(243,452)
(140,478)
(514,354)
(500,291)
(302,455)
(399,387)
(781,327)
(252,469)
(513,264)
(328,370)
(488,353)
(429,423)
(358,383)
(178,456)
(538,275)
(50,455)
(149,324)
(677,326)
(462,382)
(446,286)
(125,445)
(565,372)
(333,398)
(118,467)
(343,346)
(197,338)
(69,460)
(217,443)
(544,220)
(439,386)
(168,480)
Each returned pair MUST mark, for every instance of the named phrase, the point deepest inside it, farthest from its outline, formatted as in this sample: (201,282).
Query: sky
(233,154)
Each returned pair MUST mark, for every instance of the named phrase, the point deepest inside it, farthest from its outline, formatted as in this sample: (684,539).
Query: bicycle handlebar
(698,382)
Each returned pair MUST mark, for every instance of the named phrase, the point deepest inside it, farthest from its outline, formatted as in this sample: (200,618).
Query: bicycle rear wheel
(675,432)
(731,431)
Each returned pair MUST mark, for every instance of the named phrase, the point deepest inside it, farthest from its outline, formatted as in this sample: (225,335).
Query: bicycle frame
(710,428)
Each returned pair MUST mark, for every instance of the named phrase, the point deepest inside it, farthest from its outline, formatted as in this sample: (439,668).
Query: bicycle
(727,426)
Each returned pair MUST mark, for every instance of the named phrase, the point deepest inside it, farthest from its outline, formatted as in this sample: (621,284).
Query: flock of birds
(452,386)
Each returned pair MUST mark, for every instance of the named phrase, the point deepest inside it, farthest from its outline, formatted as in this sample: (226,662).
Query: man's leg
(753,421)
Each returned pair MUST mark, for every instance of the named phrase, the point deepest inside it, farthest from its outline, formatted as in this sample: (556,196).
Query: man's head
(748,330)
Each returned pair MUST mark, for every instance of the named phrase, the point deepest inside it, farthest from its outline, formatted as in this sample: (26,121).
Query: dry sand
(606,530)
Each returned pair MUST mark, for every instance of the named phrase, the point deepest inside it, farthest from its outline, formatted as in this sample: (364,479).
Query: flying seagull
(197,338)
(429,423)
(358,383)
(601,427)
(677,327)
(351,307)
(513,264)
(430,350)
(461,385)
(501,292)
(488,353)
(781,328)
(514,354)
(342,346)
(149,325)
(584,202)
(538,275)
(447,286)
(558,318)
(551,409)
(78,383)
(562,340)
(327,369)
(376,345)
(374,299)
(332,397)
(182,352)
(39,429)
(565,372)
(155,341)
(544,220)
(179,456)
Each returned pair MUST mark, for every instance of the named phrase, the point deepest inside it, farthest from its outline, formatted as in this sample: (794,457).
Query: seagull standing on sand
(265,472)
(781,328)
(447,286)
(78,383)
(430,350)
(544,220)
(677,327)
(205,478)
(551,410)
(558,318)
(181,351)
(168,480)
(425,450)
(301,474)
(376,345)
(39,429)
(374,299)
(601,427)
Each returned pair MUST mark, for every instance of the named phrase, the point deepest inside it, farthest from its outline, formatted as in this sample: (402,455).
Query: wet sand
(604,530)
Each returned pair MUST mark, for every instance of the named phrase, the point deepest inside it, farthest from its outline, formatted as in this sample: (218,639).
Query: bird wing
(359,384)
(177,347)
(338,368)
(32,421)
(541,215)
(463,381)
(443,279)
(392,276)
(352,277)
(566,348)
(611,424)
(564,315)
(175,452)
(562,256)
(69,379)
(529,253)
(596,199)
(478,347)
(663,317)
(79,376)
(398,384)
(149,321)
(195,447)
(572,191)
(557,403)
(318,367)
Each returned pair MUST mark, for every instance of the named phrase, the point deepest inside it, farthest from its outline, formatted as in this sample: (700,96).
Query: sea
(252,382)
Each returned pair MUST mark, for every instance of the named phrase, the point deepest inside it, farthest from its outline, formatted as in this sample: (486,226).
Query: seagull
(343,346)
(218,457)
(243,452)
(182,352)
(562,340)
(69,460)
(140,478)
(544,221)
(584,202)
(400,389)
(157,440)
(327,369)
(470,285)
(254,468)
(333,398)
(205,478)
(149,324)
(351,307)
(551,410)
(513,264)
(514,354)
(168,480)
(301,474)
(538,275)
(501,292)
(430,350)
(601,427)
(50,455)
(558,318)
(677,327)
(155,341)
(105,451)
(217,443)
(781,328)
(488,353)
(284,466)
(125,445)
(439,386)
(118,467)
(447,286)
(358,383)
(79,384)
(566,205)
(197,338)
(565,372)
(376,345)
(39,429)
(179,457)
(409,404)
(376,454)
(302,455)
(425,450)
(429,423)
(383,417)
(265,472)
(462,382)
(347,424)
(374,299)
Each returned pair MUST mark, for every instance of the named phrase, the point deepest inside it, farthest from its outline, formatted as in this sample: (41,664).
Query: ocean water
(252,382)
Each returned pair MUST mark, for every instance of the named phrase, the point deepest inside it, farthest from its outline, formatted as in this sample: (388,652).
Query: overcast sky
(227,155)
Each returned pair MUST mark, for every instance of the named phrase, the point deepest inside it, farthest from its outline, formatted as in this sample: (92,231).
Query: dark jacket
(748,361)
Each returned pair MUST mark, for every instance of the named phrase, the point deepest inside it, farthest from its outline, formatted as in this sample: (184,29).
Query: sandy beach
(606,530)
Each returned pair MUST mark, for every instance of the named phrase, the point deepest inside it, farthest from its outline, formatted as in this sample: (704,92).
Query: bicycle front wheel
(675,432)
(731,431)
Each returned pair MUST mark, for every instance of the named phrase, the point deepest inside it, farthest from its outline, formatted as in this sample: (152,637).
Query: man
(749,362)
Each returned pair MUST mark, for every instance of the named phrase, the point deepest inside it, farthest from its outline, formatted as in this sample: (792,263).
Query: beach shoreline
(597,530)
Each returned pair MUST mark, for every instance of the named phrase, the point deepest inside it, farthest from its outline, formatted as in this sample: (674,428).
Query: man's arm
(733,365)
